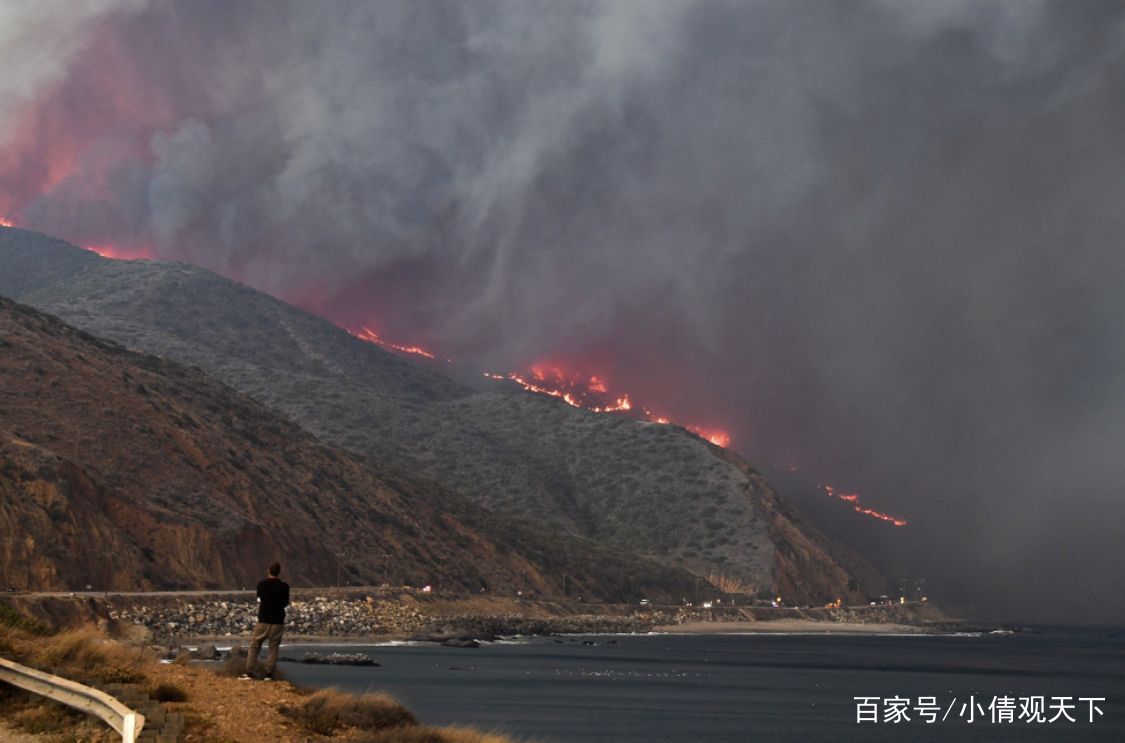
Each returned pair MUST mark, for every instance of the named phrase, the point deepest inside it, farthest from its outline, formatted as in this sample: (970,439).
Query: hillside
(125,471)
(655,490)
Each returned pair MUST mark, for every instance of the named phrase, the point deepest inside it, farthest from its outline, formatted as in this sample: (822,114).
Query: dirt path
(225,708)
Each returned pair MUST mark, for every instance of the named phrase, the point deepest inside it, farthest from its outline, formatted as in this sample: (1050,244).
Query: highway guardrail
(127,722)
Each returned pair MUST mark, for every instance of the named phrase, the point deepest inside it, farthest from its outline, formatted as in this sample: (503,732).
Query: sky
(879,240)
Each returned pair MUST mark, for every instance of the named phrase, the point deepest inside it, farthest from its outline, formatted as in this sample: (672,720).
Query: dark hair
(275,569)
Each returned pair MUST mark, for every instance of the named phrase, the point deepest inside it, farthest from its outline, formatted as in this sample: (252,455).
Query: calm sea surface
(747,687)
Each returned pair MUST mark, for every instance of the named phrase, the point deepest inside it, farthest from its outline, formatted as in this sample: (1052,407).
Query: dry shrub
(45,718)
(168,693)
(329,710)
(198,726)
(9,617)
(234,664)
(57,722)
(85,654)
(468,735)
(426,734)
(70,649)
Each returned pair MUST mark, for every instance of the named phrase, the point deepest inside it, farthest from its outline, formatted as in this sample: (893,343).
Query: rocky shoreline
(321,616)
(463,621)
(336,618)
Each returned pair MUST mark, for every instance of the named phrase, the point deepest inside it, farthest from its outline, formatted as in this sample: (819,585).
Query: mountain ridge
(651,489)
(125,472)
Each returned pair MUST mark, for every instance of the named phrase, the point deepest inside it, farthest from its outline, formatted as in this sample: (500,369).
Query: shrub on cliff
(329,710)
(9,617)
(425,734)
(83,653)
(168,693)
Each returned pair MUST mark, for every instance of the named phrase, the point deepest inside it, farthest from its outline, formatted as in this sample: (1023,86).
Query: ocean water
(763,687)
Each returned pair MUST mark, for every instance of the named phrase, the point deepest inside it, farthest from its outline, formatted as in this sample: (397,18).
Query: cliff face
(124,471)
(651,490)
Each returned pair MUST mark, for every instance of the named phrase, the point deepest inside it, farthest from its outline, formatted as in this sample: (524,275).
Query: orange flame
(120,254)
(593,393)
(369,335)
(716,437)
(621,404)
(566,397)
(105,251)
(853,498)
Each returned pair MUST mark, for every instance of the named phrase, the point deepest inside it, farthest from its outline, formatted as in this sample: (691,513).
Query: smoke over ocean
(880,240)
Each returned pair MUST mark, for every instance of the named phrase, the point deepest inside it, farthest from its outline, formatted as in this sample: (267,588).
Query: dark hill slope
(126,471)
(655,490)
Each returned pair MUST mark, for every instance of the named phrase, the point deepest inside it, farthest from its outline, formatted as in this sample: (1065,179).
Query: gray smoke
(879,239)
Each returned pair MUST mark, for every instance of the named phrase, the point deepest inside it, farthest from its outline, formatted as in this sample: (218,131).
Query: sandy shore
(791,625)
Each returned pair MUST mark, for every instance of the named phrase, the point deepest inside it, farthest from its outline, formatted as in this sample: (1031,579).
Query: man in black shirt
(273,597)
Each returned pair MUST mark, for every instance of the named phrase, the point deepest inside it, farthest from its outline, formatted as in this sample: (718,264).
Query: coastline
(384,615)
(778,626)
(792,626)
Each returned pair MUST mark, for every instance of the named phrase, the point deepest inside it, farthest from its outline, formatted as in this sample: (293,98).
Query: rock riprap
(317,617)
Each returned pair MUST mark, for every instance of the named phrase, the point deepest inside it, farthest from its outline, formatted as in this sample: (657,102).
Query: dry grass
(54,722)
(9,617)
(43,719)
(82,654)
(329,710)
(168,693)
(425,734)
(380,718)
(86,654)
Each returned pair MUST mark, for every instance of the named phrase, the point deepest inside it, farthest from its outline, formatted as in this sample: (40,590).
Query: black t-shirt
(273,597)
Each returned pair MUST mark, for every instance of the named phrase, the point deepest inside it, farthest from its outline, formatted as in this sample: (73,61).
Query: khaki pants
(271,632)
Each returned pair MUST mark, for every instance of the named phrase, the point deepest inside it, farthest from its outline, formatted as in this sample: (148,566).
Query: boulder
(460,642)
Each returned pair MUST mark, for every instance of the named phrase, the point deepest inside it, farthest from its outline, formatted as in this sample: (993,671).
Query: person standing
(273,597)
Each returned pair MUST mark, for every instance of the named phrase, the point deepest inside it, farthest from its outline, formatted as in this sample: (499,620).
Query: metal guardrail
(125,721)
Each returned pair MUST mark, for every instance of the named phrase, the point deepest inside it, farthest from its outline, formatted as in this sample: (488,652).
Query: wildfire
(369,335)
(593,393)
(566,397)
(619,405)
(718,438)
(853,498)
(105,251)
(578,390)
(120,254)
